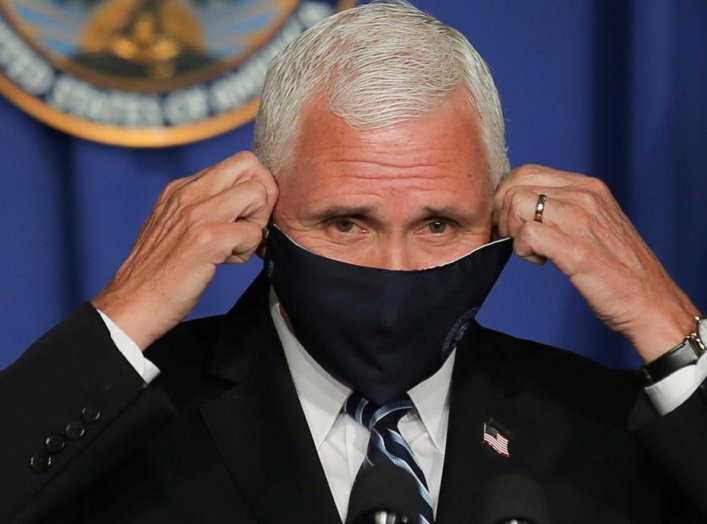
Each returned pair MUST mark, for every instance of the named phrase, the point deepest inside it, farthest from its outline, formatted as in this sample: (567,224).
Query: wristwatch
(684,354)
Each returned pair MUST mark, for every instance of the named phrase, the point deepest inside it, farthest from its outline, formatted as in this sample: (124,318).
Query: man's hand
(587,236)
(214,217)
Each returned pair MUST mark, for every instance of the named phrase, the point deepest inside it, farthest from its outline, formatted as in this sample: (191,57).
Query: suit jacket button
(75,430)
(40,462)
(54,444)
(90,414)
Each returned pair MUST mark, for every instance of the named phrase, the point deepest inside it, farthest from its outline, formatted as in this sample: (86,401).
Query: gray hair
(376,65)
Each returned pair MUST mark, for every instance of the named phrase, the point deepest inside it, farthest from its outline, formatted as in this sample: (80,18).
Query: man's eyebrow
(342,211)
(461,215)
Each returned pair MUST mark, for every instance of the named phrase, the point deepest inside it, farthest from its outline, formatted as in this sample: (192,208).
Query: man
(379,145)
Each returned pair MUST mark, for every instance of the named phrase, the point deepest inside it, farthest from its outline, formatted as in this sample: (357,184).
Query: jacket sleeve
(678,440)
(71,406)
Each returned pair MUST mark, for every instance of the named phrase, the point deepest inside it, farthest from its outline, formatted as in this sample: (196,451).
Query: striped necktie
(386,445)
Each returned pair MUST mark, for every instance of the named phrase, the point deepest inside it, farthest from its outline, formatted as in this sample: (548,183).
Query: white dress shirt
(130,350)
(677,387)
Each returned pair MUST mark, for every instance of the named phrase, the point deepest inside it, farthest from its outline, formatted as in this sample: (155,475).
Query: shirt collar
(322,396)
(431,399)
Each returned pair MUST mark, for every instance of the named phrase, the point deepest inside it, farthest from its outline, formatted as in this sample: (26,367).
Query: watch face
(702,332)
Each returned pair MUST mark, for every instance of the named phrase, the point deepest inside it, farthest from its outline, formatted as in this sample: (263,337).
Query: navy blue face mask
(380,331)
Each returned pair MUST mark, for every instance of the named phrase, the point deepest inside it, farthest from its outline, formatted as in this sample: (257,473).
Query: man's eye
(437,227)
(344,226)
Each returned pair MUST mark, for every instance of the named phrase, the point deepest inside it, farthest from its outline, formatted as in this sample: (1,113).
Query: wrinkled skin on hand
(587,236)
(199,222)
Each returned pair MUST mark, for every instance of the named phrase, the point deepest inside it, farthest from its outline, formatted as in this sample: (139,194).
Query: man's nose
(395,254)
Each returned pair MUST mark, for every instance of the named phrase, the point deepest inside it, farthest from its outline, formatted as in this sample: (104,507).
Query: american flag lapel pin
(495,439)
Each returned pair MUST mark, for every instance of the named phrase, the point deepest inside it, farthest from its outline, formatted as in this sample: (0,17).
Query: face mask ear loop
(262,249)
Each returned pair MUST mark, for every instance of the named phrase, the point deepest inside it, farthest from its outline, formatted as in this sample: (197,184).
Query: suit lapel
(259,426)
(468,462)
(485,388)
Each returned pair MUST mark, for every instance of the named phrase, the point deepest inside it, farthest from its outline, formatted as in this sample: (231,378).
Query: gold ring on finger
(540,208)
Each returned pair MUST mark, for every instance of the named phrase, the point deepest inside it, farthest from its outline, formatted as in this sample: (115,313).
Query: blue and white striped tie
(386,444)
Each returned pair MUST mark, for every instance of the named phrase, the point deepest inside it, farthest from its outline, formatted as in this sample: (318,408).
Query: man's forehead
(450,134)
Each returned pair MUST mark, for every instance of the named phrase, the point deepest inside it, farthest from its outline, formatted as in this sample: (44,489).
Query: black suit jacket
(220,435)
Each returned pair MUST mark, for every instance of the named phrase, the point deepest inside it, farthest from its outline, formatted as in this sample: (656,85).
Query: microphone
(384,494)
(514,498)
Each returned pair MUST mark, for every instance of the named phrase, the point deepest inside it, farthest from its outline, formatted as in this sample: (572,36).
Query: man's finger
(571,210)
(247,237)
(536,241)
(520,205)
(526,245)
(222,243)
(234,170)
(536,176)
(247,201)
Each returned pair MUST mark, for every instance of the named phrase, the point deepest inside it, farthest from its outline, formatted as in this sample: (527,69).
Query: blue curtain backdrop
(611,88)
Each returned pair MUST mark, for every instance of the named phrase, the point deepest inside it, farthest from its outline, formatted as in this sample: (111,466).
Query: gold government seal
(145,73)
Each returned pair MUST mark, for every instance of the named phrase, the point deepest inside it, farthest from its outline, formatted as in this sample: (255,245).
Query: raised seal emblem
(145,73)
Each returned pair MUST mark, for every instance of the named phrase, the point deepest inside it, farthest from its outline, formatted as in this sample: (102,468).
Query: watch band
(684,354)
